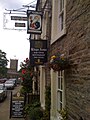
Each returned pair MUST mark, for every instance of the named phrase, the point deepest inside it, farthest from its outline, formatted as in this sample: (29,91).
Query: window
(58,19)
(61,10)
(60,90)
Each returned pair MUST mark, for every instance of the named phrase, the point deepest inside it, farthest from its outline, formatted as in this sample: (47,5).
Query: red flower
(23,71)
(31,74)
(23,78)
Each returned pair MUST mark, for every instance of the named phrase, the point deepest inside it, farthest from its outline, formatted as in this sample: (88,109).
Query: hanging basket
(55,67)
(58,63)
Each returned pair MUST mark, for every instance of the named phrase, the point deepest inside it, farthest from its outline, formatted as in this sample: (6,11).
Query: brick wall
(76,45)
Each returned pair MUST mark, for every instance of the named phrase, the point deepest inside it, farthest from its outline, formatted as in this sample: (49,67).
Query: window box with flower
(58,62)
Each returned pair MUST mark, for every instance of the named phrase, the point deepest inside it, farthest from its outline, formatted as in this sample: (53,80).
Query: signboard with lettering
(14,21)
(17,105)
(20,24)
(38,52)
(34,22)
(19,18)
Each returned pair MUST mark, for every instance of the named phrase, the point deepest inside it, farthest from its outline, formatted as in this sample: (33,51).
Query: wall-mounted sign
(34,22)
(38,52)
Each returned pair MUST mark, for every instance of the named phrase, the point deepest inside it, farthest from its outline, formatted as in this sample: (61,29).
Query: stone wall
(76,46)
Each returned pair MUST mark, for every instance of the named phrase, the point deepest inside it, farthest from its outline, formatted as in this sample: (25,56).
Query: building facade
(14,64)
(70,36)
(45,7)
(13,70)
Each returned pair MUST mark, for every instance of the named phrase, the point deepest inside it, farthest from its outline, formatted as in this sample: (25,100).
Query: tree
(3,64)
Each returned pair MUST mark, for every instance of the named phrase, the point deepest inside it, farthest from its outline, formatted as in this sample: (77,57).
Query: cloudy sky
(14,42)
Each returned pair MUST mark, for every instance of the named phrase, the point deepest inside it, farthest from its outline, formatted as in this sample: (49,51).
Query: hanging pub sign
(38,52)
(34,22)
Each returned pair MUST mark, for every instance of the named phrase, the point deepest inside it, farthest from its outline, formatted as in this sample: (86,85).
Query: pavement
(5,107)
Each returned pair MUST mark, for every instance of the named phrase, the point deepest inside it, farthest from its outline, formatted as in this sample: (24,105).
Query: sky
(14,43)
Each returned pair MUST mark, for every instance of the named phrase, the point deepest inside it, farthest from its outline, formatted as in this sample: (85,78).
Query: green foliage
(33,111)
(45,115)
(3,64)
(27,75)
(27,85)
(63,114)
(25,90)
(48,98)
(46,112)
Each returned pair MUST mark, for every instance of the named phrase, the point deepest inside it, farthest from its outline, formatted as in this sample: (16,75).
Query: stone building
(70,36)
(13,70)
(14,64)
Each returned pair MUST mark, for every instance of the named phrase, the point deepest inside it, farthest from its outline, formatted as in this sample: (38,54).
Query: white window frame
(57,31)
(60,90)
(61,17)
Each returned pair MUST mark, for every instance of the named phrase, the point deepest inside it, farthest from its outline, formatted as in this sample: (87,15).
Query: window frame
(57,32)
(61,12)
(60,90)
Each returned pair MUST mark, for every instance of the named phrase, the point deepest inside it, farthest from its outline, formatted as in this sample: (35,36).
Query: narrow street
(5,106)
